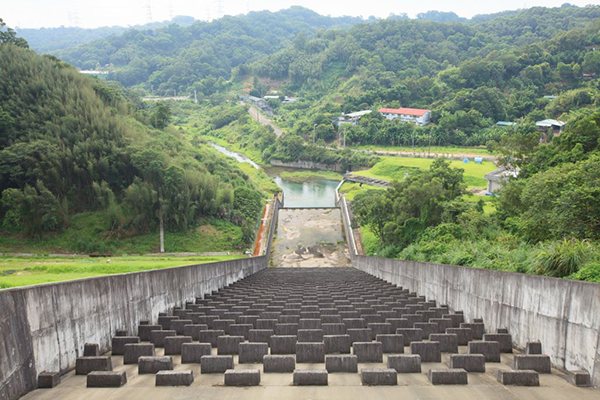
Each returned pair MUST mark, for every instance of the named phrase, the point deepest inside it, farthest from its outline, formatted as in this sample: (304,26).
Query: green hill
(70,144)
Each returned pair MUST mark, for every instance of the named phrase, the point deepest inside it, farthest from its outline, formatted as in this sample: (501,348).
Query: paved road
(262,119)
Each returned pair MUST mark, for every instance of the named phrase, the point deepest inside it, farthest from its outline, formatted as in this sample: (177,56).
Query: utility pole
(429,143)
(195,97)
(345,133)
(314,132)
(413,140)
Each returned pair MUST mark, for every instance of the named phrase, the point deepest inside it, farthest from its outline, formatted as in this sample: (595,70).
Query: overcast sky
(94,13)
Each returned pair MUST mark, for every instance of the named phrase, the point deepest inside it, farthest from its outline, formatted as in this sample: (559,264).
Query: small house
(351,118)
(549,127)
(555,125)
(498,178)
(506,124)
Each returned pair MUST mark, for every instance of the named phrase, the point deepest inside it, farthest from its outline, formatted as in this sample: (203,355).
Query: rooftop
(417,112)
(502,174)
(550,122)
(357,114)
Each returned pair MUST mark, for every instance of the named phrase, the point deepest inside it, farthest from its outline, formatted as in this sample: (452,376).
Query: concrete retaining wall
(350,239)
(44,327)
(563,314)
(301,164)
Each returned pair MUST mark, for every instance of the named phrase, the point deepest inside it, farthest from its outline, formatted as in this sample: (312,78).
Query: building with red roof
(415,115)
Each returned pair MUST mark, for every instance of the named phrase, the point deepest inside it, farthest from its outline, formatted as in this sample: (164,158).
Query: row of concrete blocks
(450,340)
(251,377)
(397,318)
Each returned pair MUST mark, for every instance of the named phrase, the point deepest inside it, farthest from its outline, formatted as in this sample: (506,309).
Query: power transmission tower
(220,12)
(170,10)
(148,11)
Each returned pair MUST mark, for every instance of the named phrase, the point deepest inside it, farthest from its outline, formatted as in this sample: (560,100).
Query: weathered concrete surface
(277,386)
(562,314)
(45,327)
(310,237)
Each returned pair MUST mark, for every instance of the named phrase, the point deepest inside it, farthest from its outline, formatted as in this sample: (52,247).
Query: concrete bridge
(366,180)
(377,328)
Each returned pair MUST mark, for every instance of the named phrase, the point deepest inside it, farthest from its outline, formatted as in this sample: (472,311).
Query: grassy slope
(390,168)
(22,271)
(87,234)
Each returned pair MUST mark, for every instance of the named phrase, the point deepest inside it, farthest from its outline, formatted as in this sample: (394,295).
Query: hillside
(176,58)
(470,75)
(50,40)
(70,144)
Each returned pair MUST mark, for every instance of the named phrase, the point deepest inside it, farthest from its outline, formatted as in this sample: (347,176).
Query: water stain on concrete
(310,237)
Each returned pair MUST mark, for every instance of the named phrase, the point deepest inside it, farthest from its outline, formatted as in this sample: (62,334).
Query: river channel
(310,193)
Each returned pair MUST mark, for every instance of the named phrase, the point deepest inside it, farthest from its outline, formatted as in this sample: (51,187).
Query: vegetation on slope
(71,144)
(546,220)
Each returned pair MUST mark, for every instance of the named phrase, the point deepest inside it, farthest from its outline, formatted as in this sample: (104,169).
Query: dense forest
(202,56)
(70,144)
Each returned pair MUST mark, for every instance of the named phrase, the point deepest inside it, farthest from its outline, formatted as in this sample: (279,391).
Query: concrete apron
(341,385)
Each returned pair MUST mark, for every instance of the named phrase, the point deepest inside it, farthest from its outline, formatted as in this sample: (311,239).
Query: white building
(414,115)
(352,118)
(498,178)
(555,125)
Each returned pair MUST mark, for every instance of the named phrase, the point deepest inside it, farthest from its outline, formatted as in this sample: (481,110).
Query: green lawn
(88,234)
(425,149)
(24,271)
(390,168)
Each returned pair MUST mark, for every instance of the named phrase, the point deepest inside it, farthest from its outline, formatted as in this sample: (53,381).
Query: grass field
(87,234)
(390,168)
(425,149)
(24,271)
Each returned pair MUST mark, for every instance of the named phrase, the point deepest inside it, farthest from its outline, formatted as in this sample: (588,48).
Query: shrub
(589,272)
(559,259)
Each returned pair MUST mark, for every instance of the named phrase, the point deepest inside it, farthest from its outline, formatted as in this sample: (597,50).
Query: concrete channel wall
(44,327)
(563,314)
(349,234)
